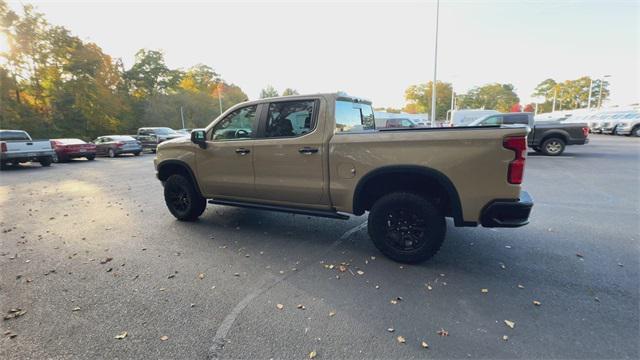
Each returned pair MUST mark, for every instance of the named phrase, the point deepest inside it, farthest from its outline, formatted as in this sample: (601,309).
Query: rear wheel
(406,227)
(182,199)
(111,153)
(136,153)
(635,131)
(553,147)
(90,157)
(45,160)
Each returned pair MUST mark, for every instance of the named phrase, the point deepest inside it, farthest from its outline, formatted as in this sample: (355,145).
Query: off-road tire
(406,227)
(182,198)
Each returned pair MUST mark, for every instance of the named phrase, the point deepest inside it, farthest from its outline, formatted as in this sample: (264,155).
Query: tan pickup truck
(322,155)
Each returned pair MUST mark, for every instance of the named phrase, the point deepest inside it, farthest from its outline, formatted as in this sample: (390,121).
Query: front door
(225,167)
(288,154)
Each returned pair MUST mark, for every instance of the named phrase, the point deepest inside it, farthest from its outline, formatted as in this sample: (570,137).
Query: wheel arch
(171,167)
(562,135)
(406,177)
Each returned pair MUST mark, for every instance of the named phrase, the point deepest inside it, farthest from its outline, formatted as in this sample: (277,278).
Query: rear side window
(290,118)
(14,135)
(353,116)
(516,119)
(492,120)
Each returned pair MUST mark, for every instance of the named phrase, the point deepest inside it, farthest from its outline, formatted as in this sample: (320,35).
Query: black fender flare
(439,177)
(182,165)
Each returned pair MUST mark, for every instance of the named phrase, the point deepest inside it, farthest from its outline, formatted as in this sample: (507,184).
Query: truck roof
(334,96)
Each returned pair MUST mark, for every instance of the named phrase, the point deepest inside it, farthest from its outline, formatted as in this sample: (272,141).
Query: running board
(309,212)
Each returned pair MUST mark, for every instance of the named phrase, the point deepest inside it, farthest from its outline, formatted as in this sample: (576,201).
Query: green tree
(491,96)
(418,98)
(149,75)
(268,92)
(289,92)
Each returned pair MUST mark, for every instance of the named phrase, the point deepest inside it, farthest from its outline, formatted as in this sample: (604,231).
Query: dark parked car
(114,145)
(148,142)
(67,149)
(547,137)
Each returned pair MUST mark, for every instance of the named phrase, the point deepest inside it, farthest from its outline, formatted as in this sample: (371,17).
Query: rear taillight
(585,131)
(516,166)
(3,147)
(119,144)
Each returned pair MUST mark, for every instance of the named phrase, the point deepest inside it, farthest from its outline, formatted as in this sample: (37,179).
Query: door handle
(242,151)
(308,150)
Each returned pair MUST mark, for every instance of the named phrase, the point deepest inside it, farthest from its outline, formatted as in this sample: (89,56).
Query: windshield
(70,141)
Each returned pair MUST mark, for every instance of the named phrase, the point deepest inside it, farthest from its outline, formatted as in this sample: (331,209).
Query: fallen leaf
(429,287)
(332,313)
(201,276)
(342,268)
(510,324)
(537,303)
(122,336)
(443,332)
(279,306)
(520,286)
(313,354)
(505,337)
(76,309)
(424,344)
(391,329)
(301,307)
(360,272)
(171,276)
(484,291)
(579,255)
(164,338)
(106,260)
(401,339)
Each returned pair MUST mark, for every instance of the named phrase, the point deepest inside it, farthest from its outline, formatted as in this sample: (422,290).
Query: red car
(67,149)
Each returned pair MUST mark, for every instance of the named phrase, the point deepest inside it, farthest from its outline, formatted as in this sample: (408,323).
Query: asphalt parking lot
(89,250)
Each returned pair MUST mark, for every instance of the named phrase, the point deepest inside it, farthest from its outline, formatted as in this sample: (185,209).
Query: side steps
(309,212)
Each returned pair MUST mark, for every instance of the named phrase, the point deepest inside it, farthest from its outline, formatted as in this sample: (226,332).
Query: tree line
(53,84)
(554,95)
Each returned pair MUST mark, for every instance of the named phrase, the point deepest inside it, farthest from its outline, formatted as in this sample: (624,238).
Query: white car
(630,125)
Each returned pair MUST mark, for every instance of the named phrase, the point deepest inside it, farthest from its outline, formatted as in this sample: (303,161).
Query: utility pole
(600,95)
(182,117)
(555,93)
(435,69)
(590,87)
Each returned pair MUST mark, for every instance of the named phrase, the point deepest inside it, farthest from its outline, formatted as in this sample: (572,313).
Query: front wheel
(111,153)
(182,199)
(136,153)
(406,227)
(91,157)
(635,131)
(553,147)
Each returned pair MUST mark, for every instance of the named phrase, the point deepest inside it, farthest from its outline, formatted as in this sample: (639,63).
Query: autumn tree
(495,96)
(418,98)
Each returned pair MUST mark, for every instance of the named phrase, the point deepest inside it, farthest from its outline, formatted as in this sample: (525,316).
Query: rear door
(288,154)
(225,167)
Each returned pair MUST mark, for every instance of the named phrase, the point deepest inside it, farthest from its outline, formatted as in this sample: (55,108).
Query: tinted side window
(236,126)
(290,118)
(516,119)
(492,120)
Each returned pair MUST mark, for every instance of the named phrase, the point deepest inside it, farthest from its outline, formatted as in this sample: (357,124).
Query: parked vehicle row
(17,146)
(618,121)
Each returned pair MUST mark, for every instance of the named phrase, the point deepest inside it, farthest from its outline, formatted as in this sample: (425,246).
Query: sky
(374,49)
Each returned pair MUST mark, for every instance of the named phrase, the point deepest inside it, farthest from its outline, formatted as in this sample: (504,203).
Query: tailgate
(28,147)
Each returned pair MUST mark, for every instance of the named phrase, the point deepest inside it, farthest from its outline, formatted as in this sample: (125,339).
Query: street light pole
(555,93)
(182,117)
(590,87)
(435,69)
(600,95)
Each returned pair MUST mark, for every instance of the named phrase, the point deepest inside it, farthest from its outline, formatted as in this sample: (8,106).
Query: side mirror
(199,137)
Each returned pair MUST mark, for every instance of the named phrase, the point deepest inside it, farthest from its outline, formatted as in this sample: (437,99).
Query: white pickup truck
(16,146)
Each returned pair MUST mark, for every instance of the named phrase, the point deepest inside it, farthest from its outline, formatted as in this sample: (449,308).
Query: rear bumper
(24,156)
(578,141)
(129,151)
(507,213)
